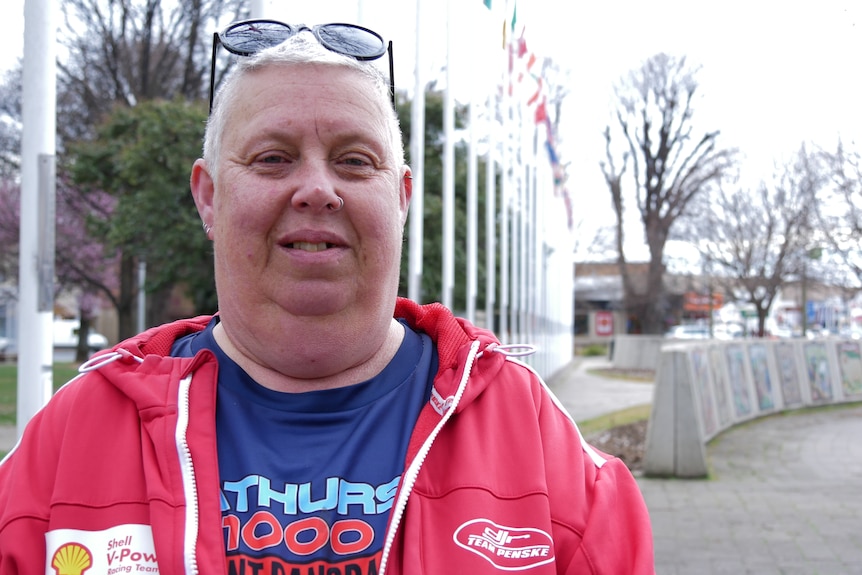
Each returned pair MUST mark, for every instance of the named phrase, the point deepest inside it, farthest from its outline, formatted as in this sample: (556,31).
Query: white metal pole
(257,8)
(472,213)
(515,241)
(491,216)
(529,280)
(505,198)
(449,168)
(524,252)
(417,165)
(360,12)
(35,293)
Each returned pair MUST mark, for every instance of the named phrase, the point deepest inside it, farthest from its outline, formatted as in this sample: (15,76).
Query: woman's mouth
(309,246)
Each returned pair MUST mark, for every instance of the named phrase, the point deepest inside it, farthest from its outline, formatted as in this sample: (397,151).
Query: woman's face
(299,138)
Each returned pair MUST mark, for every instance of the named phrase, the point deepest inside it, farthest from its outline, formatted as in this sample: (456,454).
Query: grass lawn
(63,372)
(617,418)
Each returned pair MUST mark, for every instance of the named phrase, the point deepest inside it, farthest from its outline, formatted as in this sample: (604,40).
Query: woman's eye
(357,161)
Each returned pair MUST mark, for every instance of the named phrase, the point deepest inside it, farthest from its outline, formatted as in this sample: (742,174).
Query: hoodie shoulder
(159,340)
(450,334)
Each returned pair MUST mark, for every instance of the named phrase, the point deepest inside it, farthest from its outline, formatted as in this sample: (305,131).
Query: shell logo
(72,559)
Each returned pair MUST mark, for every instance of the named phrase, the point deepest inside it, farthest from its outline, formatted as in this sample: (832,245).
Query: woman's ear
(406,192)
(203,191)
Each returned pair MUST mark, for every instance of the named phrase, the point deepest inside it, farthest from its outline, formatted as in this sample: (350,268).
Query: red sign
(701,302)
(604,323)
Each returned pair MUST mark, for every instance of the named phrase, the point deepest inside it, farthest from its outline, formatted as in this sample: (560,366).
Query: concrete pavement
(8,437)
(784,495)
(586,396)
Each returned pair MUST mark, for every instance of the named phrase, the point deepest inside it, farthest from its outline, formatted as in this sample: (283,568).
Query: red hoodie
(120,470)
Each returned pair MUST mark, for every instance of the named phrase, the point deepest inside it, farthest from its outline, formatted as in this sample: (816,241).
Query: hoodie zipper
(187,472)
(412,472)
(188,475)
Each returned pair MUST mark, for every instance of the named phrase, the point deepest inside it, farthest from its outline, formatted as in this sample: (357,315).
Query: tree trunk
(653,313)
(128,291)
(82,351)
(761,320)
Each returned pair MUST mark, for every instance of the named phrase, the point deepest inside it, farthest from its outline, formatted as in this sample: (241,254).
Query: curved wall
(706,387)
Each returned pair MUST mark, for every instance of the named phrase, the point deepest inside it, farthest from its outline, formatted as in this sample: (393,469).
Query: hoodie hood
(453,337)
(142,369)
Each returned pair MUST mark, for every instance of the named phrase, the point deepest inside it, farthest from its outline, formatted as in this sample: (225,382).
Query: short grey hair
(301,48)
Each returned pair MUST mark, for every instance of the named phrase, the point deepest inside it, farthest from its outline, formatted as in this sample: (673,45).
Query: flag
(510,24)
(541,113)
(489,5)
(535,97)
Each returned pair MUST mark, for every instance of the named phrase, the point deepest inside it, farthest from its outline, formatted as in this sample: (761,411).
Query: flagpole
(491,215)
(448,169)
(516,198)
(505,192)
(496,76)
(257,8)
(472,210)
(417,161)
(37,218)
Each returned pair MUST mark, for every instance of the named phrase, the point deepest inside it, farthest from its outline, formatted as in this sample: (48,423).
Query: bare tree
(841,210)
(670,166)
(124,52)
(10,123)
(754,242)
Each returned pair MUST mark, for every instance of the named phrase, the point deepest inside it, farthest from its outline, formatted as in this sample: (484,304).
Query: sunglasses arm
(216,41)
(392,74)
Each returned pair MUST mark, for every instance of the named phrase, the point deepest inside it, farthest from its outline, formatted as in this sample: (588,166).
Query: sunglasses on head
(251,36)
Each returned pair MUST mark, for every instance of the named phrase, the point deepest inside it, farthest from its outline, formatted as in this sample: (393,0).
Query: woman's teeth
(308,246)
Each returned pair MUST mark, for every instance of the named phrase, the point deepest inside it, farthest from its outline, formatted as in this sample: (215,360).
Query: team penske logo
(506,548)
(72,559)
(441,404)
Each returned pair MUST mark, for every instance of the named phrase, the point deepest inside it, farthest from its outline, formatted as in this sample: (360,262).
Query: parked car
(722,331)
(727,331)
(851,332)
(66,340)
(5,348)
(780,331)
(688,331)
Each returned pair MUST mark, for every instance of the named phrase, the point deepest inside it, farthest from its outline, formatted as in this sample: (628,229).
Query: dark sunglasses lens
(352,41)
(247,38)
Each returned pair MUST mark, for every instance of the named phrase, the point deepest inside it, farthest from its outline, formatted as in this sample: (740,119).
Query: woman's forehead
(336,100)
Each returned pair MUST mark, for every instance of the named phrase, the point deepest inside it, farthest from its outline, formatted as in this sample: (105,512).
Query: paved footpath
(586,396)
(8,437)
(784,496)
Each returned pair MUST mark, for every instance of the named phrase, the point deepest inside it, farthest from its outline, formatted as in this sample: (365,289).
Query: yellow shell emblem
(72,559)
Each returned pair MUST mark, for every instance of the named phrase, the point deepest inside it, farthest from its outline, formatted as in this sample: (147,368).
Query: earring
(207,228)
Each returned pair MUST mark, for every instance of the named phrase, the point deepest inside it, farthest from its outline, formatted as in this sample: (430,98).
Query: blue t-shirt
(308,479)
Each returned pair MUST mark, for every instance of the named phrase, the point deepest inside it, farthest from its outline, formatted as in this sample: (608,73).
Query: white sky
(774,73)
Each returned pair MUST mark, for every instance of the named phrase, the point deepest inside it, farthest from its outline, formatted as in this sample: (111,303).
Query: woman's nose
(316,190)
